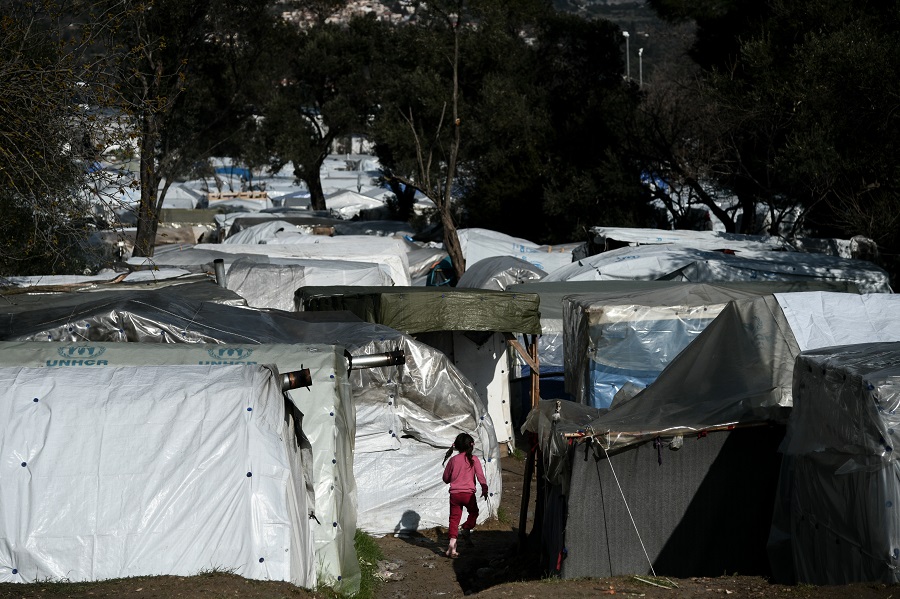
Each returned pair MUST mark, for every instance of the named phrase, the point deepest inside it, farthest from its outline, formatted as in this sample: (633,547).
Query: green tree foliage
(324,90)
(45,143)
(541,103)
(800,99)
(182,71)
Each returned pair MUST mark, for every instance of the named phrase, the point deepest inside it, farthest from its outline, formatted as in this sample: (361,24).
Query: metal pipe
(295,379)
(219,265)
(391,358)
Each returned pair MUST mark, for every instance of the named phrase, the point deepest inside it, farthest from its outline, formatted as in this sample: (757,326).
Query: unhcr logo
(79,355)
(229,353)
(81,351)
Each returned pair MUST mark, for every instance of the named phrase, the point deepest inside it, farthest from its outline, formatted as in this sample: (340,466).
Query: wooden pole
(526,492)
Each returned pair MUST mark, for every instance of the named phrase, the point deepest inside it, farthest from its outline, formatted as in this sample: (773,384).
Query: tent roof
(653,262)
(498,273)
(739,369)
(553,292)
(835,389)
(424,309)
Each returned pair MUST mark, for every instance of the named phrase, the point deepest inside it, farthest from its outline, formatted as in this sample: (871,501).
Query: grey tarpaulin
(840,480)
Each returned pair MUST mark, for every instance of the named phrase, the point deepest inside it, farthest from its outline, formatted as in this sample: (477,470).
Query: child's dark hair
(463,443)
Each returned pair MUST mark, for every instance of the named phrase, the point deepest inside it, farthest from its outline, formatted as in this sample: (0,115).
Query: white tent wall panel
(411,494)
(486,367)
(328,422)
(131,471)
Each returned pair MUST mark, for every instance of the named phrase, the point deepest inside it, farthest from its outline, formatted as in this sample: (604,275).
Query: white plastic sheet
(274,285)
(478,244)
(824,319)
(137,471)
(328,421)
(701,240)
(389,253)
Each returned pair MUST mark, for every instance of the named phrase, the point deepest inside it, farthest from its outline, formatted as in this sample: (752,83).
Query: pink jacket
(461,474)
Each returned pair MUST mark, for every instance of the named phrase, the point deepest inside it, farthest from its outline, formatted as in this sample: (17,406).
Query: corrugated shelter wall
(702,510)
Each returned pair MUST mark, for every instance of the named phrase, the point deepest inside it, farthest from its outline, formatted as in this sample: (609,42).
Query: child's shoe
(466,535)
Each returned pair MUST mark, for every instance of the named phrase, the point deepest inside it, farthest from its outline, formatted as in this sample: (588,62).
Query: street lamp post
(640,67)
(627,57)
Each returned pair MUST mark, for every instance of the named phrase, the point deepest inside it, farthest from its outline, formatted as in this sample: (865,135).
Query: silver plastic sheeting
(498,273)
(653,262)
(145,471)
(409,417)
(274,285)
(390,254)
(551,346)
(478,244)
(616,338)
(261,233)
(701,240)
(740,368)
(841,478)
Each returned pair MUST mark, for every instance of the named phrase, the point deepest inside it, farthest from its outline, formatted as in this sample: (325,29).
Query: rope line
(625,501)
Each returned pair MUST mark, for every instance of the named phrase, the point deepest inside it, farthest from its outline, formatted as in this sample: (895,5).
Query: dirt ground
(415,567)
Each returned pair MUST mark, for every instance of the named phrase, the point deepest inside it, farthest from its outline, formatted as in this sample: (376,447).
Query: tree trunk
(707,201)
(316,194)
(406,197)
(451,239)
(451,244)
(148,212)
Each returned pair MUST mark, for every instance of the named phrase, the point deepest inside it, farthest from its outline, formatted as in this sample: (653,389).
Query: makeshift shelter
(405,417)
(118,471)
(840,484)
(390,254)
(613,339)
(632,490)
(268,282)
(614,237)
(498,273)
(478,244)
(471,326)
(304,220)
(553,298)
(669,262)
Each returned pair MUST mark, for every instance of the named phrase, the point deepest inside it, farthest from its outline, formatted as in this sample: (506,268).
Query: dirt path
(415,565)
(493,568)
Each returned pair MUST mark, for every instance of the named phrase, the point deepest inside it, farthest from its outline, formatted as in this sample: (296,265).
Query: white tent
(478,244)
(700,240)
(389,253)
(115,471)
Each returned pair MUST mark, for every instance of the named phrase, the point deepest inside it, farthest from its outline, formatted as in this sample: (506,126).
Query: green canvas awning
(427,309)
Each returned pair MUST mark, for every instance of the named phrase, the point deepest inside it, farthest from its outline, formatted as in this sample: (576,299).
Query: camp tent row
(391,430)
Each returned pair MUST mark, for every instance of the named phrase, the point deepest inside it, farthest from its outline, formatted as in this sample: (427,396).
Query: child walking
(461,472)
